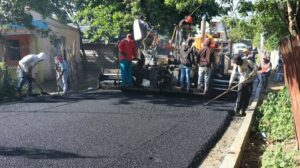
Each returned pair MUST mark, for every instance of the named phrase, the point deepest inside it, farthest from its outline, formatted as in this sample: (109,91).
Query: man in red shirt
(128,51)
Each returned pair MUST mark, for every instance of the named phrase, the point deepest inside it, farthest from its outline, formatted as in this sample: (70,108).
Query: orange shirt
(265,67)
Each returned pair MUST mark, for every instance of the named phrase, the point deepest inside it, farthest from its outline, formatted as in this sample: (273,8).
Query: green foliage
(12,11)
(110,20)
(239,29)
(275,118)
(272,42)
(277,158)
(7,84)
(267,17)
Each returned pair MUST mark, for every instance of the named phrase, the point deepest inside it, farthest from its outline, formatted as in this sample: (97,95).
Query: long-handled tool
(40,87)
(227,91)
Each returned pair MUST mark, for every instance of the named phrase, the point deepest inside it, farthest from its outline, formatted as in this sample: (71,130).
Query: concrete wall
(71,44)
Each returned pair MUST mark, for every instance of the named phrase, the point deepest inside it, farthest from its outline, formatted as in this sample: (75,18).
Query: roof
(37,24)
(40,25)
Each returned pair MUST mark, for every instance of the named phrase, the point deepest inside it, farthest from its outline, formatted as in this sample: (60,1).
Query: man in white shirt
(26,64)
(247,70)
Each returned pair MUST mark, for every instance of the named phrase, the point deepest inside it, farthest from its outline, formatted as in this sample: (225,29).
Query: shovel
(227,91)
(40,87)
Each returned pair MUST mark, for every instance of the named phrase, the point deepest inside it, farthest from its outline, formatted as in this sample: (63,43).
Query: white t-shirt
(246,71)
(29,61)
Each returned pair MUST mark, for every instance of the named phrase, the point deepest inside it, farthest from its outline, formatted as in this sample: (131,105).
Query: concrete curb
(234,156)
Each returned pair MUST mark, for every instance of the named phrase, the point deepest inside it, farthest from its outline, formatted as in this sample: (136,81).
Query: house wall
(71,44)
(33,42)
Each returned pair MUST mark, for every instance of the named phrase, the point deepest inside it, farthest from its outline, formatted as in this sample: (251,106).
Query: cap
(189,19)
(245,50)
(59,58)
(190,40)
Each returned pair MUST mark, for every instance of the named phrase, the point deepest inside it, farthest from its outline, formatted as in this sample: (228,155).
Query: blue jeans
(126,73)
(22,80)
(64,79)
(204,73)
(185,75)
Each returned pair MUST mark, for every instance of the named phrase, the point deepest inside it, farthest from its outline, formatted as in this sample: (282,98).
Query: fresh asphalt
(110,129)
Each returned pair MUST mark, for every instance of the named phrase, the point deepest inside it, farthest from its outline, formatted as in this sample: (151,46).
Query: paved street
(110,129)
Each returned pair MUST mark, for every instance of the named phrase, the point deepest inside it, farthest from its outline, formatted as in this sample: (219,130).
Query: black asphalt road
(110,129)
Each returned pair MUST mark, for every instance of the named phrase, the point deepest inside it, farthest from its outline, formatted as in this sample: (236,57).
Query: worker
(205,62)
(247,71)
(128,51)
(187,60)
(246,53)
(145,28)
(253,54)
(26,65)
(265,71)
(185,28)
(63,73)
(279,75)
(140,29)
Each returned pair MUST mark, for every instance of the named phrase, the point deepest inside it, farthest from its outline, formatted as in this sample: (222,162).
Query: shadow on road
(128,98)
(34,153)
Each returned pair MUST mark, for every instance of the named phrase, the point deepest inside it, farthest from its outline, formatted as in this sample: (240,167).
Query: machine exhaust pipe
(203,27)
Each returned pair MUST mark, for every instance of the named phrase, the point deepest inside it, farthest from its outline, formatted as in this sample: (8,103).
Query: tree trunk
(292,19)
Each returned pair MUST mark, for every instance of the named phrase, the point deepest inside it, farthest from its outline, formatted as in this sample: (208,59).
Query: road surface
(107,129)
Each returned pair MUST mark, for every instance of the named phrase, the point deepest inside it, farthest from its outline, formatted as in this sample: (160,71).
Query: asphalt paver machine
(157,68)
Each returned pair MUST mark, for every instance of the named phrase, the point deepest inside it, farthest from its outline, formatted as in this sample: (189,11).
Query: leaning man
(246,70)
(26,65)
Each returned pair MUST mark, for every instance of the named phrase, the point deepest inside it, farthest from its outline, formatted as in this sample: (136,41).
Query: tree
(274,18)
(12,11)
(107,20)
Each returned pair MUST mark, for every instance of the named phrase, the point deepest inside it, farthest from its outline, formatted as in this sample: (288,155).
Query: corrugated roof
(37,24)
(40,25)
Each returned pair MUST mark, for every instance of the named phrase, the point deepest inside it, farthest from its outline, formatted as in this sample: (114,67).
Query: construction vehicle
(157,68)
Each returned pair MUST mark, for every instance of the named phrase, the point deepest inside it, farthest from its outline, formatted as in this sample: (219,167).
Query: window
(13,50)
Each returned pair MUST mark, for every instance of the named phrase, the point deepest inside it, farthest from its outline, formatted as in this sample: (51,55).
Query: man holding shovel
(26,64)
(63,71)
(246,69)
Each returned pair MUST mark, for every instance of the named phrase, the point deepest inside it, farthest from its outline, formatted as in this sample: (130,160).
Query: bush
(275,118)
(277,158)
(7,84)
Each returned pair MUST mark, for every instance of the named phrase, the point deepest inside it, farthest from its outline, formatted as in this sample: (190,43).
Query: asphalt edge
(233,157)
